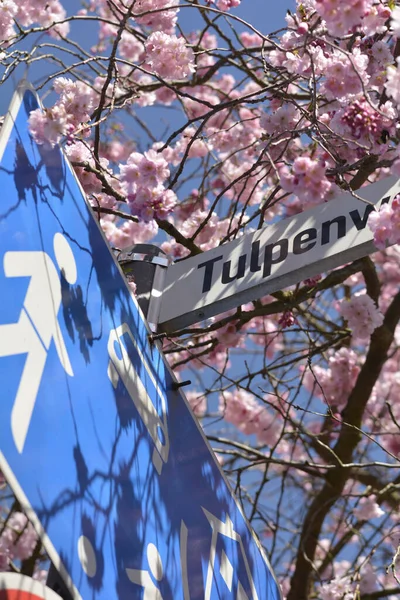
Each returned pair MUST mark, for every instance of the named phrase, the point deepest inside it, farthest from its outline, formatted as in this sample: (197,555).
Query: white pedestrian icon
(144,579)
(122,367)
(37,325)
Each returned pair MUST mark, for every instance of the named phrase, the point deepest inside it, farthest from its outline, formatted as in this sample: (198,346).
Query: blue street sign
(99,447)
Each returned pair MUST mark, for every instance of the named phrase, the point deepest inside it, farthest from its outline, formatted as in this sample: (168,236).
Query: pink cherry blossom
(169,56)
(335,382)
(306,179)
(124,234)
(345,74)
(287,319)
(342,15)
(242,410)
(70,113)
(367,509)
(18,539)
(362,315)
(392,84)
(8,11)
(49,15)
(283,119)
(395,21)
(198,402)
(40,575)
(385,225)
(156,18)
(227,4)
(337,589)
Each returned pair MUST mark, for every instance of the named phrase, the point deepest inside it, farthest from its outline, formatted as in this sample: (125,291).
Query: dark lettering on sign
(208,272)
(269,258)
(226,269)
(308,235)
(358,222)
(385,200)
(255,254)
(362,223)
(276,252)
(326,228)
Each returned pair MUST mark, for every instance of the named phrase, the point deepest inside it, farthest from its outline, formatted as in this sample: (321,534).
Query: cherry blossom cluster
(385,224)
(191,216)
(342,16)
(17,540)
(243,410)
(307,179)
(361,314)
(157,15)
(367,508)
(120,235)
(335,382)
(338,588)
(361,122)
(69,115)
(142,179)
(392,84)
(168,56)
(284,118)
(226,4)
(49,15)
(287,319)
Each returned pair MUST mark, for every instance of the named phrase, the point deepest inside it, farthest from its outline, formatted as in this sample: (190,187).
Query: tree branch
(348,440)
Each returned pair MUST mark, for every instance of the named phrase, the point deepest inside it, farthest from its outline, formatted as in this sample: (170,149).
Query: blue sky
(266,15)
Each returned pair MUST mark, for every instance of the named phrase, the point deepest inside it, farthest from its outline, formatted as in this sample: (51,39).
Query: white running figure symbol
(37,325)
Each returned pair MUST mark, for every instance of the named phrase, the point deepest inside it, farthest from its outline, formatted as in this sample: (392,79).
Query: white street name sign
(272,258)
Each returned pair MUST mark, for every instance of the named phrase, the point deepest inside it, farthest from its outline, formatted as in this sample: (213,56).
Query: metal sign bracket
(146,264)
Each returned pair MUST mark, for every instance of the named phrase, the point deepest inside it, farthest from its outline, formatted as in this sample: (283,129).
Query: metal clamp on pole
(146,265)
